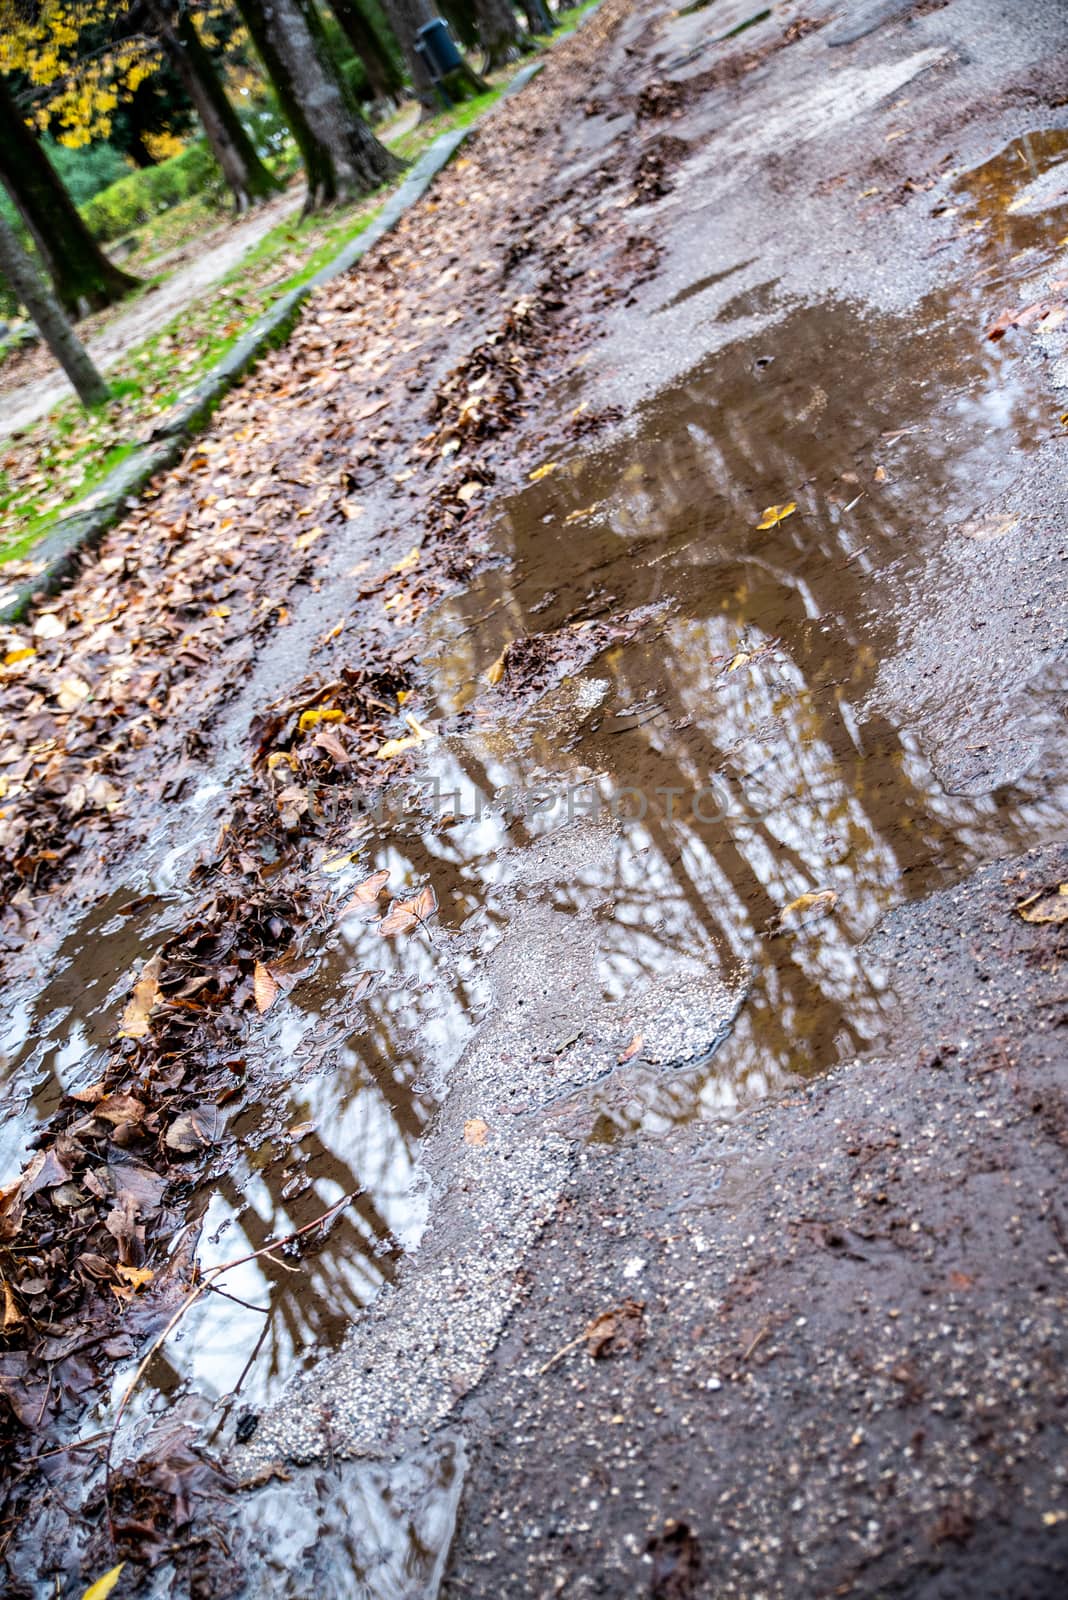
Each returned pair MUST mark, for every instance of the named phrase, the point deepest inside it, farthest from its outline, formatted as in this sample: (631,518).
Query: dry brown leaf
(620,1331)
(265,987)
(632,1049)
(366,893)
(1048,905)
(139,1008)
(408,914)
(476,1131)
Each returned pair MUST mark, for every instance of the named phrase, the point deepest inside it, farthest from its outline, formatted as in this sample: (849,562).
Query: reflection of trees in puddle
(354,1530)
(821,792)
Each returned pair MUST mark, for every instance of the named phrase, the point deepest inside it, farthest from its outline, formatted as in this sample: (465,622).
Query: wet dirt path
(655,725)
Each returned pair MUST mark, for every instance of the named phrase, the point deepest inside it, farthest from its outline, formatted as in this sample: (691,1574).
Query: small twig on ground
(564,1350)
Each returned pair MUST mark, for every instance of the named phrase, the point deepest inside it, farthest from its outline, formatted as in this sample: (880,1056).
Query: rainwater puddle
(732,735)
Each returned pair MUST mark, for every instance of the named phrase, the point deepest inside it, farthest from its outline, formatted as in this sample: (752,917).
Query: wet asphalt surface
(817,1177)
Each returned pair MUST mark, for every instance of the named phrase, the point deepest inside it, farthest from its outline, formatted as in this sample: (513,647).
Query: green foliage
(140,196)
(86,171)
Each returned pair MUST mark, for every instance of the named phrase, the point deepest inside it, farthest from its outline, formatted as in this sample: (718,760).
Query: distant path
(37,394)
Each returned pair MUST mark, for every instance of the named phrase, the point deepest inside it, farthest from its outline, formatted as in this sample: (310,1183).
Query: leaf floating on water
(1025,316)
(103,1586)
(476,1131)
(773,515)
(139,1008)
(408,914)
(543,471)
(1048,905)
(366,893)
(396,747)
(821,901)
(265,987)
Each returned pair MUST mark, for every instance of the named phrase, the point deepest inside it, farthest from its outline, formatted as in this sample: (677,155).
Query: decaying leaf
(773,515)
(618,1332)
(1048,905)
(103,1586)
(195,1130)
(476,1131)
(405,915)
(1024,317)
(265,987)
(139,1008)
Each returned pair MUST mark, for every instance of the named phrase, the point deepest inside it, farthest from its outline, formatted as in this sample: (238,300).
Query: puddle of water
(806,789)
(55,1038)
(1017,202)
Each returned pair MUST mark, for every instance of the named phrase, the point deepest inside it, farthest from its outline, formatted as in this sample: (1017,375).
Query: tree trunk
(32,291)
(502,38)
(460,15)
(406,17)
(342,157)
(231,146)
(537,15)
(382,75)
(84,278)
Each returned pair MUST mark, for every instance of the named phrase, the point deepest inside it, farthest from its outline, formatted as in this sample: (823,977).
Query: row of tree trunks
(245,173)
(383,75)
(84,278)
(502,38)
(342,157)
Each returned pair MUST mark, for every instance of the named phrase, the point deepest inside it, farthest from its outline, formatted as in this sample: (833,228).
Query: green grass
(64,456)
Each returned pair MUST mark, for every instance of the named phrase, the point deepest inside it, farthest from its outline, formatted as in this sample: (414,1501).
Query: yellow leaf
(303,540)
(265,987)
(581,514)
(276,758)
(312,719)
(496,672)
(138,1010)
(1048,905)
(739,660)
(339,863)
(13,657)
(396,747)
(773,515)
(103,1586)
(544,471)
(409,561)
(475,1131)
(820,901)
(137,1276)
